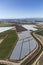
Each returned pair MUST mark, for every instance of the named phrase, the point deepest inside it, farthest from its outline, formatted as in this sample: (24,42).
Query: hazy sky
(21,8)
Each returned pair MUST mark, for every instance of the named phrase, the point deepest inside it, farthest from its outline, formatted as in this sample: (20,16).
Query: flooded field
(30,27)
(2,29)
(24,46)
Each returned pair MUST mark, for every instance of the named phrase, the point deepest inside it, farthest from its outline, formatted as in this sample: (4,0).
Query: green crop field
(10,38)
(3,25)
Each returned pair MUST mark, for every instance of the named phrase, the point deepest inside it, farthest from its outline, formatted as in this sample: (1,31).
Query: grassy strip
(7,44)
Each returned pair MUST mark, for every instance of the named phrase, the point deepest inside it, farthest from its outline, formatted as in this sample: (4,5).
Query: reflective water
(30,27)
(24,46)
(2,29)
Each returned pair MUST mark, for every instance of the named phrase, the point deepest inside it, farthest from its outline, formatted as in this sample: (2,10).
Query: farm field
(10,38)
(40,32)
(4,25)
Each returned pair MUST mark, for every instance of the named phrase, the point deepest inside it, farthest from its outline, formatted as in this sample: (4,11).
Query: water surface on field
(2,29)
(30,27)
(24,46)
